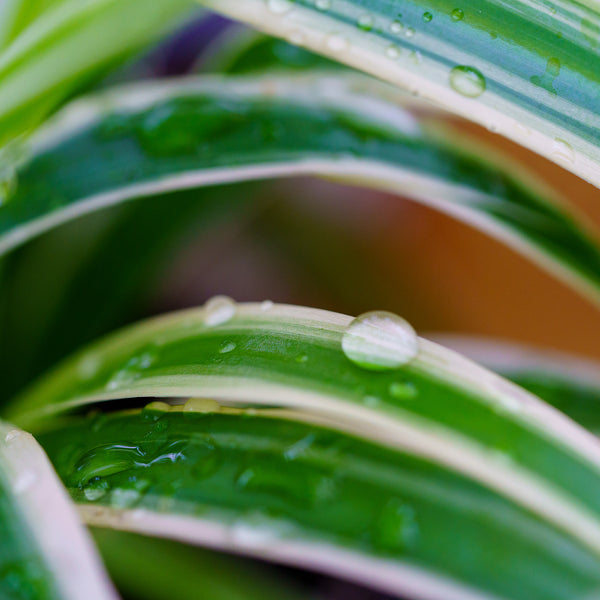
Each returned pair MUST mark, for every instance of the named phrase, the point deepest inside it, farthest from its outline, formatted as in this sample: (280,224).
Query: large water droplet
(379,341)
(467,81)
(219,310)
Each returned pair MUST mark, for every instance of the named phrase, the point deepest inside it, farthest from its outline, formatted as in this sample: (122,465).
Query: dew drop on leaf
(427,17)
(323,4)
(392,52)
(402,390)
(219,310)
(201,405)
(365,22)
(379,341)
(467,81)
(396,27)
(396,528)
(457,15)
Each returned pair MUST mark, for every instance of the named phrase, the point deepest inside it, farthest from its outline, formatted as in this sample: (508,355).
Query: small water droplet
(266,305)
(403,390)
(323,4)
(427,17)
(392,52)
(380,341)
(8,183)
(279,7)
(409,32)
(12,435)
(219,310)
(227,347)
(157,407)
(562,151)
(546,81)
(201,405)
(94,493)
(467,81)
(396,27)
(302,358)
(365,22)
(124,498)
(337,43)
(457,15)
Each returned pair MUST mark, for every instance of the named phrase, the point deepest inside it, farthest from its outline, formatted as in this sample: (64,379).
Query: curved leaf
(438,406)
(147,140)
(68,44)
(45,553)
(291,491)
(568,382)
(525,69)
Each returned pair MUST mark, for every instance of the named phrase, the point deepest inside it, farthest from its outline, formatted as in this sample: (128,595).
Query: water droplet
(396,27)
(302,358)
(157,407)
(131,371)
(457,15)
(562,151)
(201,405)
(403,390)
(93,493)
(227,347)
(124,498)
(365,22)
(392,52)
(12,435)
(219,310)
(409,32)
(417,58)
(427,17)
(279,7)
(396,528)
(379,341)
(337,43)
(467,81)
(25,480)
(323,4)
(266,305)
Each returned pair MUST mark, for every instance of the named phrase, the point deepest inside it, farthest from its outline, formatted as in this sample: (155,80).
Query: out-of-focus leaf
(147,140)
(66,45)
(45,553)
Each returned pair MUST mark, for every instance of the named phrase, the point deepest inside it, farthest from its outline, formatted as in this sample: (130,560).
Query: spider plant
(432,468)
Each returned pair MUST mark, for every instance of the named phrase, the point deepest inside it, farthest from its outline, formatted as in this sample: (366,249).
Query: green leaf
(527,70)
(45,554)
(438,406)
(290,491)
(568,382)
(150,139)
(69,44)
